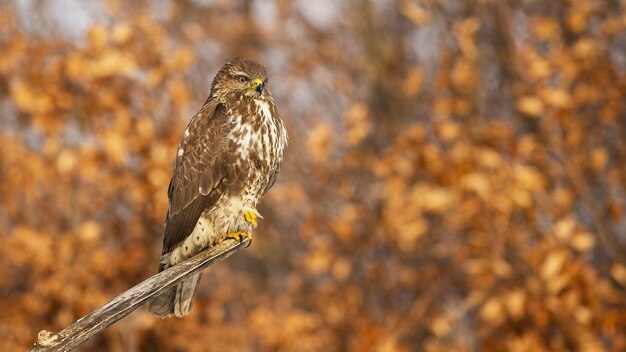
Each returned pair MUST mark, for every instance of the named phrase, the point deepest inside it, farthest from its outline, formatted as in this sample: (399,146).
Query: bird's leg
(240,236)
(250,217)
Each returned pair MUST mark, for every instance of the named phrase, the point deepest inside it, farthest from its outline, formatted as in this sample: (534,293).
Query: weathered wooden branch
(90,325)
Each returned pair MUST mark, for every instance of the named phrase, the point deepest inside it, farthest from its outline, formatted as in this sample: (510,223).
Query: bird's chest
(254,144)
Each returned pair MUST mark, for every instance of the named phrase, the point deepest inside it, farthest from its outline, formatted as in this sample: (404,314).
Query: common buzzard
(228,158)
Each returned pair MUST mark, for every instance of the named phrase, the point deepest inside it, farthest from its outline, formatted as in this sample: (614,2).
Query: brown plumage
(228,158)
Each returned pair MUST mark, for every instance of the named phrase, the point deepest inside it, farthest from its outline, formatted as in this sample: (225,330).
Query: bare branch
(90,325)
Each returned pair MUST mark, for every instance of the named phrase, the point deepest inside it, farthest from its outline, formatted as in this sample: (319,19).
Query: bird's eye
(242,79)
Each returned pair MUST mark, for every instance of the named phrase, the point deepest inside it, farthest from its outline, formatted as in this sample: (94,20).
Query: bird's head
(241,76)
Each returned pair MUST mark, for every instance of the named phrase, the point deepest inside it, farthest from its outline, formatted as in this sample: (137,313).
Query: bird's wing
(199,171)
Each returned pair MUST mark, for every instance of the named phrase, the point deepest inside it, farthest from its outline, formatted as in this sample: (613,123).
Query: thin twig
(90,325)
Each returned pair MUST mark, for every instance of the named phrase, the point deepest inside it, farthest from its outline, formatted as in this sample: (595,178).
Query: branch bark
(93,323)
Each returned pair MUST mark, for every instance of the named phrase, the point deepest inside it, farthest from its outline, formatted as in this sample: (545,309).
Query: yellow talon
(239,236)
(250,217)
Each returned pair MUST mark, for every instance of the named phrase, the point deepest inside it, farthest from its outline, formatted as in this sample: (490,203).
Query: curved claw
(239,236)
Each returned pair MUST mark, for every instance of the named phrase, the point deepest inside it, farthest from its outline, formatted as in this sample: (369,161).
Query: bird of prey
(228,158)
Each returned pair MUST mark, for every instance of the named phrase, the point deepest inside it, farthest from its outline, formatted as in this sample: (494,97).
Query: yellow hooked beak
(258,85)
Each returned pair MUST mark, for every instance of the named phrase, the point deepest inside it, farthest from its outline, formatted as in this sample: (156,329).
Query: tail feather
(186,292)
(176,300)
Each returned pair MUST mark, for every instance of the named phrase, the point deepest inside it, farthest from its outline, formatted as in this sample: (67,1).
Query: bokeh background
(455,179)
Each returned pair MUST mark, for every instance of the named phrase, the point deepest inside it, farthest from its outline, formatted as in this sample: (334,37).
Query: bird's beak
(258,85)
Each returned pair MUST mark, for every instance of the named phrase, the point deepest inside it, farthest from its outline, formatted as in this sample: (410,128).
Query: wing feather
(198,173)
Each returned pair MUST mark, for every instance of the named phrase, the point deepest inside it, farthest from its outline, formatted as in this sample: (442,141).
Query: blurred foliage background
(455,179)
